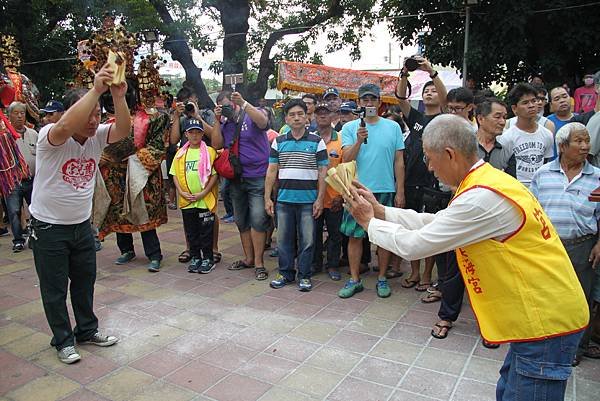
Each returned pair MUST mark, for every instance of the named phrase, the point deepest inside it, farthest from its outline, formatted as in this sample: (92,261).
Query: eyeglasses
(456,109)
(530,101)
(426,160)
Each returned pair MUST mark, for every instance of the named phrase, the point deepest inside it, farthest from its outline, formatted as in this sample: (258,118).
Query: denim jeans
(295,220)
(537,370)
(248,198)
(149,240)
(62,253)
(334,239)
(14,204)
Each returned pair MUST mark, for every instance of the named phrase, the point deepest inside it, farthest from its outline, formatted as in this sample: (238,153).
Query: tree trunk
(234,20)
(177,45)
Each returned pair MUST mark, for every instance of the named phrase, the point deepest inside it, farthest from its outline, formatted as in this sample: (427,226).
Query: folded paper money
(340,178)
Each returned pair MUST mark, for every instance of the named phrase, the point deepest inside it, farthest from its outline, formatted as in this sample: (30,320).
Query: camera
(412,63)
(189,107)
(363,112)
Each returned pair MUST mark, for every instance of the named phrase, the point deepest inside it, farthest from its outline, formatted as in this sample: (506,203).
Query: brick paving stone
(238,388)
(197,376)
(160,363)
(352,389)
(16,372)
(225,336)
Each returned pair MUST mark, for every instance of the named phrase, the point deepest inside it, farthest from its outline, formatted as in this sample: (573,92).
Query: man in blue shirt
(562,187)
(299,159)
(377,146)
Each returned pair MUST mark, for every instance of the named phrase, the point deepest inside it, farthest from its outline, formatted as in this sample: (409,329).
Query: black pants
(149,239)
(198,225)
(334,238)
(62,253)
(451,285)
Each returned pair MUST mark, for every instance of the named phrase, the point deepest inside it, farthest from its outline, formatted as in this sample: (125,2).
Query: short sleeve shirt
(65,177)
(375,159)
(253,148)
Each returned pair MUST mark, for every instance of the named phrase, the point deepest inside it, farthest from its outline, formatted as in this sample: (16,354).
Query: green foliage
(509,41)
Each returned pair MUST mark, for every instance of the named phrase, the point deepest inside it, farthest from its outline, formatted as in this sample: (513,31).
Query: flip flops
(423,286)
(442,332)
(406,283)
(239,265)
(432,296)
(184,257)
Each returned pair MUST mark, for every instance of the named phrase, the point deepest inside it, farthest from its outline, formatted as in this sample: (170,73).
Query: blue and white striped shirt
(299,161)
(566,203)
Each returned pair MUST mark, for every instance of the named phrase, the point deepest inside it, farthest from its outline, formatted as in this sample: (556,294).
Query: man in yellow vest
(520,281)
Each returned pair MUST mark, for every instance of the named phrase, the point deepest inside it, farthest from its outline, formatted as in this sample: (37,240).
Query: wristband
(435,74)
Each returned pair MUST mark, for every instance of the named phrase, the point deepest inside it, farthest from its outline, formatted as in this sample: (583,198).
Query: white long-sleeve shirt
(474,216)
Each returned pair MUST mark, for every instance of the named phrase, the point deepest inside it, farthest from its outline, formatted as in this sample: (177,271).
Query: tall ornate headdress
(10,56)
(149,80)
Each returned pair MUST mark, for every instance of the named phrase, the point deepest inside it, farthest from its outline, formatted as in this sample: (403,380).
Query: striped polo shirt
(566,203)
(298,161)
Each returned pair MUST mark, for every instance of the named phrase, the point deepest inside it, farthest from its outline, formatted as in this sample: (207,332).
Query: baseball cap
(369,89)
(331,91)
(321,106)
(54,106)
(348,106)
(192,123)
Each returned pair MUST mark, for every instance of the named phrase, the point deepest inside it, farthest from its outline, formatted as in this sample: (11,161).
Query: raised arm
(259,117)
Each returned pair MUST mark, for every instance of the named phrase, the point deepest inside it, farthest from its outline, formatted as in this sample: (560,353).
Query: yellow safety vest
(211,198)
(523,288)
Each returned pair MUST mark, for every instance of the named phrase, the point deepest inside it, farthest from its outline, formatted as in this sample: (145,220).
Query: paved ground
(226,337)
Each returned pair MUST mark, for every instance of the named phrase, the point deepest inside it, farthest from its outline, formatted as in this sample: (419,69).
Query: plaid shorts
(351,228)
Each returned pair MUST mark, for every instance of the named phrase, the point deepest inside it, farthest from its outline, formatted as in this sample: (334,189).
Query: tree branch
(267,65)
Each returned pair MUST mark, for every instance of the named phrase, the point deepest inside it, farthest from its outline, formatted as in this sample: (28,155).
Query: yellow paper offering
(118,65)
(340,178)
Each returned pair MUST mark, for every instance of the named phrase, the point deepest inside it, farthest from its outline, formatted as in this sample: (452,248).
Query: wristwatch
(435,74)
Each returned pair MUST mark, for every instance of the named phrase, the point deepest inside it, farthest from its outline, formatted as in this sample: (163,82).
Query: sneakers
(18,247)
(383,289)
(101,340)
(97,244)
(350,288)
(280,282)
(207,266)
(305,285)
(194,265)
(68,355)
(125,258)
(3,231)
(154,266)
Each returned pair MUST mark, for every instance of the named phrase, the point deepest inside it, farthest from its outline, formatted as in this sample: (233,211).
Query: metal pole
(466,46)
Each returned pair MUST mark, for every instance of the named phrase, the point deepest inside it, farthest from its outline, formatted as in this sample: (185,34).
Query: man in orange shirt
(332,205)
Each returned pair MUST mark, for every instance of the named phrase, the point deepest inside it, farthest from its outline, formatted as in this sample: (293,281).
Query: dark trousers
(149,240)
(451,285)
(14,205)
(198,225)
(62,253)
(333,220)
(579,254)
(226,196)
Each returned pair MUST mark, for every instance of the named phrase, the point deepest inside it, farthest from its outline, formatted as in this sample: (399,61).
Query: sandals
(184,256)
(442,332)
(432,296)
(423,286)
(406,283)
(239,265)
(172,206)
(217,256)
(393,273)
(592,351)
(492,345)
(260,273)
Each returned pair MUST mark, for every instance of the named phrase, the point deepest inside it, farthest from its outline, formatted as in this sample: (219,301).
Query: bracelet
(435,74)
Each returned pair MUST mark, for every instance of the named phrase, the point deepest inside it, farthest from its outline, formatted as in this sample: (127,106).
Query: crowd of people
(500,206)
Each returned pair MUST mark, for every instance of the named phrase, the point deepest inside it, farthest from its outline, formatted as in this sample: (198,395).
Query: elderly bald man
(562,187)
(512,260)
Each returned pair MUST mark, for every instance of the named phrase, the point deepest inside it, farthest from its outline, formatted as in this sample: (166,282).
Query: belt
(578,240)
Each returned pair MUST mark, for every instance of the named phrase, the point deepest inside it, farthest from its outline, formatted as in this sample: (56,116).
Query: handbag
(228,164)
